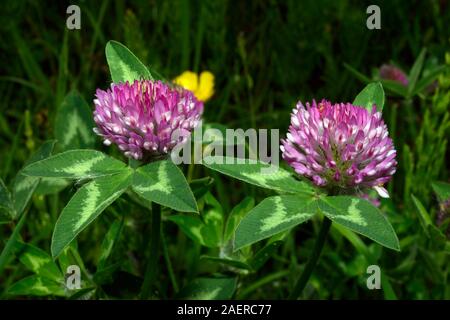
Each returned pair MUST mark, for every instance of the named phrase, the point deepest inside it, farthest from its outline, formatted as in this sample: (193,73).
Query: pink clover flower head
(390,72)
(340,146)
(147,118)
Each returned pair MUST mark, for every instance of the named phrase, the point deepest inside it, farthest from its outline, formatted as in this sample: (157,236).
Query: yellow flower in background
(202,86)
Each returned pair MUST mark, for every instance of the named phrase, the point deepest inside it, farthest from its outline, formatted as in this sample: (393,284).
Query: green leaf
(76,164)
(219,288)
(164,183)
(63,70)
(87,203)
(236,215)
(356,267)
(424,217)
(428,79)
(361,248)
(74,123)
(201,186)
(36,286)
(388,291)
(83,294)
(394,87)
(207,231)
(48,186)
(415,71)
(5,196)
(124,65)
(360,216)
(261,257)
(108,242)
(438,238)
(273,215)
(105,274)
(259,173)
(6,203)
(67,258)
(372,94)
(211,202)
(29,61)
(431,231)
(38,261)
(9,246)
(442,190)
(354,239)
(25,186)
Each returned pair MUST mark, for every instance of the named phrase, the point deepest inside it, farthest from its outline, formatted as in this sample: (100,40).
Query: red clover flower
(340,146)
(142,117)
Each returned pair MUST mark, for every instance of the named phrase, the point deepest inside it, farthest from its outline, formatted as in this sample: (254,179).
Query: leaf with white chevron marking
(164,183)
(86,205)
(76,164)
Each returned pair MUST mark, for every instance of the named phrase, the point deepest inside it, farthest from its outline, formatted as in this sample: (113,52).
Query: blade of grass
(12,150)
(31,66)
(63,72)
(10,244)
(415,71)
(427,80)
(23,82)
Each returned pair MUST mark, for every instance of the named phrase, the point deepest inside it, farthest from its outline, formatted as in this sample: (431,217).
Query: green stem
(190,173)
(312,262)
(169,263)
(152,263)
